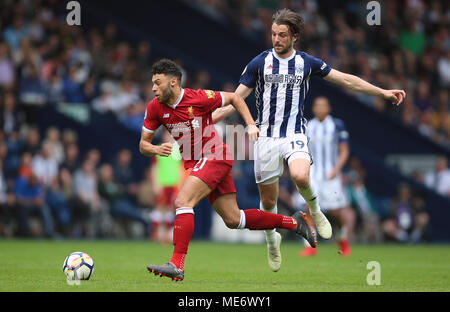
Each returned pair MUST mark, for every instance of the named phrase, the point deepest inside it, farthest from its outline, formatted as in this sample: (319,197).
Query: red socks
(256,219)
(253,219)
(183,228)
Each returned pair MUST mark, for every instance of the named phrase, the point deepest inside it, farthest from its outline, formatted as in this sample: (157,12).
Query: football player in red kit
(186,114)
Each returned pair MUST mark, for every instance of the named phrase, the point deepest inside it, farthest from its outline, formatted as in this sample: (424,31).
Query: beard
(285,50)
(165,95)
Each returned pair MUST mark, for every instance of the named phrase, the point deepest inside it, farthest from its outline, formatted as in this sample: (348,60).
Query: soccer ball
(78,266)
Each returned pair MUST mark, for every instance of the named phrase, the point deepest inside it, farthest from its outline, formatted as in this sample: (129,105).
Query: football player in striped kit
(329,148)
(280,78)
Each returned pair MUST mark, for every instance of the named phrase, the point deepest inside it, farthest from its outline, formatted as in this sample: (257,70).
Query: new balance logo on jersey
(166,115)
(283,78)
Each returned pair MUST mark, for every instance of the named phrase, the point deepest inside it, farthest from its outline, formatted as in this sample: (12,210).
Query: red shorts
(167,196)
(217,175)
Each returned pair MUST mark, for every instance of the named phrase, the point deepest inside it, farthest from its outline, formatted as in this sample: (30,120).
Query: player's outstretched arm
(223,112)
(148,149)
(359,85)
(239,104)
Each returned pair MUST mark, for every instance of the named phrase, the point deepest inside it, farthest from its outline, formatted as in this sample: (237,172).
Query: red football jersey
(189,121)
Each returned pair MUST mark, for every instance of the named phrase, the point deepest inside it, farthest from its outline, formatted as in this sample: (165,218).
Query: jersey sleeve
(211,100)
(250,74)
(342,132)
(151,122)
(318,67)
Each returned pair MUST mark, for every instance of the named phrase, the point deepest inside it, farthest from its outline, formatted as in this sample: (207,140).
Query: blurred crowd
(49,189)
(43,61)
(369,219)
(410,50)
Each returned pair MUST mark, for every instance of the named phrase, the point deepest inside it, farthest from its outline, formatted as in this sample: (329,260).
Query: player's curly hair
(167,67)
(292,20)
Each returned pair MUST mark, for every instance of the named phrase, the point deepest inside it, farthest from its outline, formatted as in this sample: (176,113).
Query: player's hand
(395,96)
(333,173)
(253,133)
(165,149)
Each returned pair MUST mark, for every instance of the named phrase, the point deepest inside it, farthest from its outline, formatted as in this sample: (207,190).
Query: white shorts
(270,154)
(330,193)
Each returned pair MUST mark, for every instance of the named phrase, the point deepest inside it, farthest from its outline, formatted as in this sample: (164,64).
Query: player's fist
(253,133)
(165,149)
(395,96)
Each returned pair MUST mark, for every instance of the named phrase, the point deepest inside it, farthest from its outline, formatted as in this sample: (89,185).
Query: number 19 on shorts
(297,144)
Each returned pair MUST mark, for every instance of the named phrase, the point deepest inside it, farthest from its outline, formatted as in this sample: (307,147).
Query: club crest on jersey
(166,115)
(210,94)
(190,111)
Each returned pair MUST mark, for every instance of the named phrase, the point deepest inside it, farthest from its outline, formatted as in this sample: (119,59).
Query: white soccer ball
(78,266)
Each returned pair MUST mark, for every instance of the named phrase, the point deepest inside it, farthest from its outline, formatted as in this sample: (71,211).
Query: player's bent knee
(231,223)
(181,202)
(300,179)
(268,203)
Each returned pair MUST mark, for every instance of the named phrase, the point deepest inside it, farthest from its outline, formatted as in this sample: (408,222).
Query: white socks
(310,197)
(241,225)
(271,238)
(343,233)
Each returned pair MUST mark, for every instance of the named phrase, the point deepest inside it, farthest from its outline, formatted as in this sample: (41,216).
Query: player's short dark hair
(167,67)
(292,20)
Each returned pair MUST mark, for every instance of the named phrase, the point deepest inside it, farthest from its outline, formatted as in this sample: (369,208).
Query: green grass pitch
(121,266)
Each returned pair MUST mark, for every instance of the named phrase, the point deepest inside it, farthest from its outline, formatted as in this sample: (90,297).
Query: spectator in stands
(30,199)
(32,141)
(119,58)
(15,32)
(412,39)
(362,202)
(94,157)
(44,166)
(53,139)
(127,95)
(59,203)
(143,57)
(25,169)
(69,137)
(123,173)
(55,89)
(13,147)
(439,179)
(106,101)
(72,88)
(145,192)
(10,117)
(7,203)
(116,198)
(31,88)
(408,219)
(70,161)
(422,99)
(7,78)
(133,116)
(110,37)
(444,69)
(91,89)
(87,207)
(202,80)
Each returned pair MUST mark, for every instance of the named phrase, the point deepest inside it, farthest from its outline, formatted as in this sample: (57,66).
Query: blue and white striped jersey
(280,87)
(323,141)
